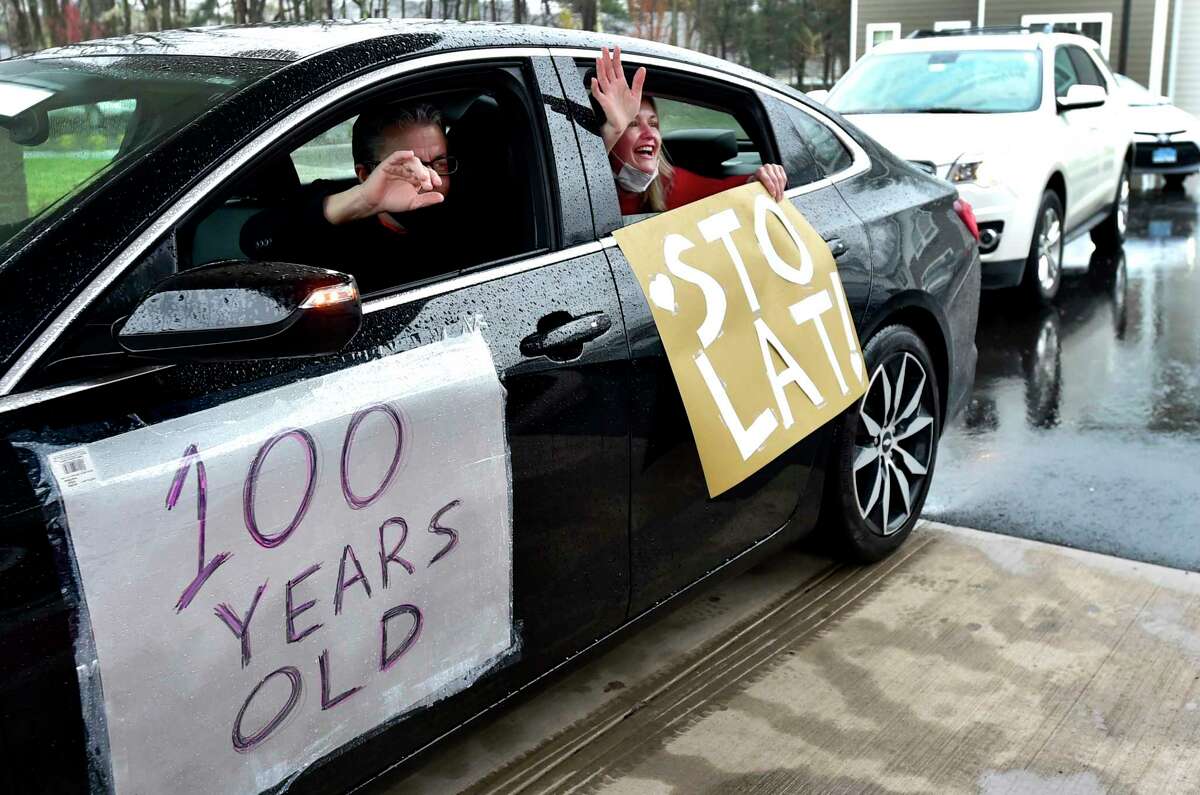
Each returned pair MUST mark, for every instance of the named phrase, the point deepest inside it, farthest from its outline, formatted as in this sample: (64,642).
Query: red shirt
(686,187)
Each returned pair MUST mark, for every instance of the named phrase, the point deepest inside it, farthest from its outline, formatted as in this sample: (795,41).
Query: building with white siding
(1156,42)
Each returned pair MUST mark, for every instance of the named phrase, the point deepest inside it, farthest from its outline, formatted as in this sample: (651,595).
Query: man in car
(389,228)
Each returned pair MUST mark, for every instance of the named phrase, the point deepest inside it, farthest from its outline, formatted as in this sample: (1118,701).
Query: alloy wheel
(1123,205)
(894,443)
(1049,250)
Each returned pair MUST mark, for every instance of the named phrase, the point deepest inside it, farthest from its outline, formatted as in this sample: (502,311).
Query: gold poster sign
(755,323)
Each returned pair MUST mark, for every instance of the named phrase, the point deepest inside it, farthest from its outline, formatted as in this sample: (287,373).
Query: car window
(1064,72)
(693,135)
(945,81)
(277,210)
(327,156)
(830,152)
(490,127)
(80,141)
(1085,68)
(714,137)
(676,115)
(65,121)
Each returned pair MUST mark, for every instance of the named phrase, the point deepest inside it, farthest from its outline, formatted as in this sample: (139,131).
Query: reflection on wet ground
(1084,426)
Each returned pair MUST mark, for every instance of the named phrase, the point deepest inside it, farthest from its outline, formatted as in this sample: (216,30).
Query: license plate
(1165,154)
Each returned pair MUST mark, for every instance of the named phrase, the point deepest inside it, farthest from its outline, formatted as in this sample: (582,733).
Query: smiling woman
(646,180)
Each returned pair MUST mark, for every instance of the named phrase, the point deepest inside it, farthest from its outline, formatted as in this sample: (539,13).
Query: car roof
(290,41)
(988,41)
(270,41)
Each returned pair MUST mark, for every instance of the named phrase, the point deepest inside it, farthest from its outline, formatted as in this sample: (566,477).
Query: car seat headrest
(702,151)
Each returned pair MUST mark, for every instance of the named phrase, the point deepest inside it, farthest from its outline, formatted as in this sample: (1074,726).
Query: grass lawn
(49,177)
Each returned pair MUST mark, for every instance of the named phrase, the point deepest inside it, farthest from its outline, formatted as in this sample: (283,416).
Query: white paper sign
(272,578)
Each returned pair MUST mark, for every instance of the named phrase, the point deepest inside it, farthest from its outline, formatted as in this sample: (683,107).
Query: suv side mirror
(241,310)
(1081,96)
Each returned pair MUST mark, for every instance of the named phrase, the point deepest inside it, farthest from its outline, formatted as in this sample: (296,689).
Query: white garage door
(1185,83)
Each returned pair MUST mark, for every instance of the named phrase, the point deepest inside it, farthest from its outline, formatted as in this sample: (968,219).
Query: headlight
(971,169)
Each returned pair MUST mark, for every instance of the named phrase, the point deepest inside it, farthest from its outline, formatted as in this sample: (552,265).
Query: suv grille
(1186,154)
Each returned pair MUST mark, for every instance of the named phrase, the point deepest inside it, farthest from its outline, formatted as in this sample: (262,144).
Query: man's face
(427,142)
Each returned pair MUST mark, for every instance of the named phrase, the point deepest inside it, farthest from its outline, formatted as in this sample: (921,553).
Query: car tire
(884,450)
(1110,232)
(1043,265)
(1173,183)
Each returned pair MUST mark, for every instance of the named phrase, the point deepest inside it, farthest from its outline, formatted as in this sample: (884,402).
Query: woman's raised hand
(619,100)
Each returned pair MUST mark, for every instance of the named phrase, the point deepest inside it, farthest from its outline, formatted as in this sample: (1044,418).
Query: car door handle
(558,335)
(837,246)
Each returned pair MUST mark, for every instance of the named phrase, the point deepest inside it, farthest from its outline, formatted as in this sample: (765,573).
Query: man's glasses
(442,166)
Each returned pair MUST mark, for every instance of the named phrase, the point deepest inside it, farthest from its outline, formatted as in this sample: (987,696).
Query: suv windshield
(65,122)
(964,81)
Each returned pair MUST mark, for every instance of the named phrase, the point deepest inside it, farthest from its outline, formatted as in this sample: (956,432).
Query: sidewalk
(970,662)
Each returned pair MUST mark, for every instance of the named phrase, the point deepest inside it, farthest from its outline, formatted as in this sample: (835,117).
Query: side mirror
(232,311)
(819,95)
(1080,96)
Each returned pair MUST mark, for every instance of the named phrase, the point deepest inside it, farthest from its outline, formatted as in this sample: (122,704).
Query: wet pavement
(966,662)
(1084,426)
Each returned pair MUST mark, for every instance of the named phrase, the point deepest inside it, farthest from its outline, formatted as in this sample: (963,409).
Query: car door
(1082,153)
(542,334)
(677,532)
(1110,135)
(817,156)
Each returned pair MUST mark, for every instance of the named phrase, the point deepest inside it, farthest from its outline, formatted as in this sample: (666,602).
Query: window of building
(880,32)
(1096,26)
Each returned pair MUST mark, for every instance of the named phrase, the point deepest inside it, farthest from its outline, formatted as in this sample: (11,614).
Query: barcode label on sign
(72,467)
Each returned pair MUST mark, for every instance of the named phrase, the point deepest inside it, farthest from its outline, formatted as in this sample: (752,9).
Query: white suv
(1026,126)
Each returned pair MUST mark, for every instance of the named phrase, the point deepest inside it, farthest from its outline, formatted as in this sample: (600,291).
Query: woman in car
(646,181)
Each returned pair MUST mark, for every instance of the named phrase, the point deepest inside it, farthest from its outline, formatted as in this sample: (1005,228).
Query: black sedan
(261,532)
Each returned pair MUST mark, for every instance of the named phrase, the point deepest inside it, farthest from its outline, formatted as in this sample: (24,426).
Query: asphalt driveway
(1084,426)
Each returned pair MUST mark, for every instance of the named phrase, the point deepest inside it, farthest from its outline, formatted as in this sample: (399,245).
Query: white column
(854,32)
(982,11)
(1175,39)
(1158,46)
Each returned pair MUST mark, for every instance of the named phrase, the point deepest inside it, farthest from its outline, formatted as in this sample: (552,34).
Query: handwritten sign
(272,578)
(755,323)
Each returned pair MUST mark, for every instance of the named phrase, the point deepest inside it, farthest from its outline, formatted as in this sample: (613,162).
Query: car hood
(941,138)
(1159,119)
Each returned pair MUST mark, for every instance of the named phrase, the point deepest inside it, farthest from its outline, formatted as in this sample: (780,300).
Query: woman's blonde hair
(654,200)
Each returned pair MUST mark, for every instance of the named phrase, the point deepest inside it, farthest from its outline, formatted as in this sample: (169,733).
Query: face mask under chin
(633,179)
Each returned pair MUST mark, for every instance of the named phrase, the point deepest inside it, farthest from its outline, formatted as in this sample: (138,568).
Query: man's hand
(773,178)
(399,184)
(619,100)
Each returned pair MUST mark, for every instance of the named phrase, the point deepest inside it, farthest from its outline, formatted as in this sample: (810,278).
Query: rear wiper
(947,110)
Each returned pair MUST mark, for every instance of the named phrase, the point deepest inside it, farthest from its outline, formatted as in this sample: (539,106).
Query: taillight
(963,208)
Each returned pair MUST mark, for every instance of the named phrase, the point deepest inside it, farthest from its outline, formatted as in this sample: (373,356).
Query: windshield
(1136,96)
(970,81)
(64,123)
